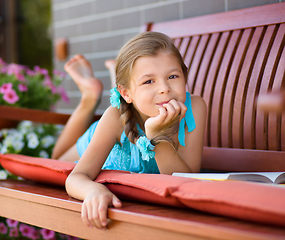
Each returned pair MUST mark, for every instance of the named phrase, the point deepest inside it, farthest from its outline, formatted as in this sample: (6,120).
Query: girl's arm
(188,158)
(192,152)
(80,183)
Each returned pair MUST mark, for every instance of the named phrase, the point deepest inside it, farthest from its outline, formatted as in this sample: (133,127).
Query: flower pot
(7,123)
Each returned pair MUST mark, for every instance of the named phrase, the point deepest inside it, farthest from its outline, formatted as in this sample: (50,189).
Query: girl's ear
(125,94)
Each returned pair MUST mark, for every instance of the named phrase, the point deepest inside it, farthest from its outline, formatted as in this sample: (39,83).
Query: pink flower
(20,77)
(26,230)
(11,96)
(22,87)
(6,87)
(11,222)
(14,232)
(3,228)
(63,94)
(47,234)
(48,83)
(42,71)
(59,73)
(35,234)
(2,62)
(71,237)
(3,69)
(30,72)
(14,68)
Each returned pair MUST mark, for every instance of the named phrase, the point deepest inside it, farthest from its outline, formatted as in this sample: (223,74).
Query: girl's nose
(164,87)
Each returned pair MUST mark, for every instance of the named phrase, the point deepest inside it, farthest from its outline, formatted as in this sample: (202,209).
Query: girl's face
(155,80)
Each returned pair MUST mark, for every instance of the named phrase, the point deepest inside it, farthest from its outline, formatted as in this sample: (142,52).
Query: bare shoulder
(198,105)
(111,119)
(112,112)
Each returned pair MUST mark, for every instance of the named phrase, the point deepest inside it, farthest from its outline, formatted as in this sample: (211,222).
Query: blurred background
(31,29)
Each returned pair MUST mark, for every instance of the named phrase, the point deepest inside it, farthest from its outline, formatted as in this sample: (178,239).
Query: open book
(263,177)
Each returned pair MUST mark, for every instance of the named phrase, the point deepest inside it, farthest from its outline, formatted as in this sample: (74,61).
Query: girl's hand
(167,113)
(95,206)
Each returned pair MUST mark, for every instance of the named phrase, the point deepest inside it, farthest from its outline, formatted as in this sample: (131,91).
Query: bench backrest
(232,57)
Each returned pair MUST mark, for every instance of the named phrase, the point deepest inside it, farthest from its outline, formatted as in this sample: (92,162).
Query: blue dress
(126,156)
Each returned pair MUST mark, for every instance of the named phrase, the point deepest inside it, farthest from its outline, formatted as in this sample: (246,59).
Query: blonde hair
(142,45)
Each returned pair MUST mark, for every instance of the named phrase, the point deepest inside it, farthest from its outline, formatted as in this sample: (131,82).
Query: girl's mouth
(161,103)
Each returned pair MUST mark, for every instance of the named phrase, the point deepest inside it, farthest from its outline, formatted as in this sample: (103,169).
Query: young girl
(153,125)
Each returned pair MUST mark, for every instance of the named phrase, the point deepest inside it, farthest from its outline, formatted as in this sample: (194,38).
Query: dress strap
(188,119)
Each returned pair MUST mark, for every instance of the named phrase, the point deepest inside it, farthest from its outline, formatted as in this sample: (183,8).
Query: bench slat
(227,21)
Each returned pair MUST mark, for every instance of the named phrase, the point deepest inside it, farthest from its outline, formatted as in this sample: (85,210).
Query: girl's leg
(91,89)
(110,65)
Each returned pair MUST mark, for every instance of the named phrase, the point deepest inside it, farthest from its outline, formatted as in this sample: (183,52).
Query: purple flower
(47,234)
(63,94)
(6,87)
(22,87)
(11,96)
(12,223)
(3,228)
(14,232)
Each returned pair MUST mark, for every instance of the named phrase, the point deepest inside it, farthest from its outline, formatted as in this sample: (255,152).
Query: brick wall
(98,29)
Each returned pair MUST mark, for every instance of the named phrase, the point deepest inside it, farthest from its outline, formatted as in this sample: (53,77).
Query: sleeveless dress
(126,156)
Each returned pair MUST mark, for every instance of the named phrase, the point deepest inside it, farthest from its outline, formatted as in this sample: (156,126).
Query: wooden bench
(232,58)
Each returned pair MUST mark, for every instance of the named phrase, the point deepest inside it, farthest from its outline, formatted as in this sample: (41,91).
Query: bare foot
(81,72)
(110,65)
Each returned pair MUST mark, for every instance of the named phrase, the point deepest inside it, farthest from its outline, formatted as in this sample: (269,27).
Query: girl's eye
(148,82)
(173,76)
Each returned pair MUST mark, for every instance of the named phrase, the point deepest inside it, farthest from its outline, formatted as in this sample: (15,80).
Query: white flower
(33,142)
(8,140)
(47,141)
(40,129)
(4,149)
(17,136)
(25,124)
(43,154)
(3,175)
(18,145)
(31,135)
(4,132)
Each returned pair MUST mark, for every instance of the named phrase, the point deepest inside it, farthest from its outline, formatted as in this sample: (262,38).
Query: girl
(153,125)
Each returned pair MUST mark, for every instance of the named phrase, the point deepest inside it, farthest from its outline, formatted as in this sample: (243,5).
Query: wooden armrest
(15,113)
(274,101)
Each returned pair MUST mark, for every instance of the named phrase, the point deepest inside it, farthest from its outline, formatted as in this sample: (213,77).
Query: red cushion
(37,169)
(243,200)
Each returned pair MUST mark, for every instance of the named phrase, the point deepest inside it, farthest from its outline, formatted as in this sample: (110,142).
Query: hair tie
(115,98)
(146,148)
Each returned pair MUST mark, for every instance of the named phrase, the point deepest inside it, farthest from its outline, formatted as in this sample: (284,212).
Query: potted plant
(23,87)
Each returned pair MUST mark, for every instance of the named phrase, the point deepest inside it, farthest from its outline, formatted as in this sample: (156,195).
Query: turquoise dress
(126,156)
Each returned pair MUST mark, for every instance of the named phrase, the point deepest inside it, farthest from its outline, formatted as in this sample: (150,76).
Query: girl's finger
(173,110)
(84,216)
(183,110)
(116,202)
(102,210)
